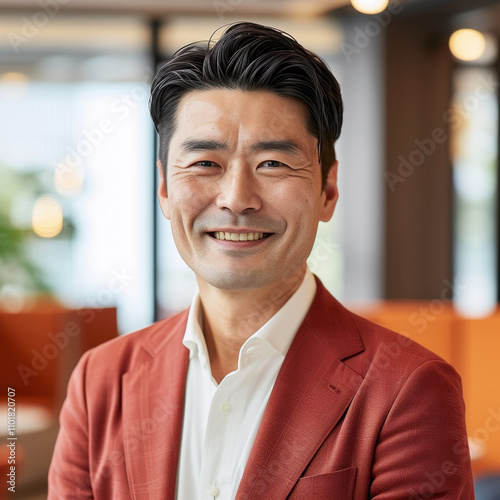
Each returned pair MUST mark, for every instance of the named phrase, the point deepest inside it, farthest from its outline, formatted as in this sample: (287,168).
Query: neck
(230,317)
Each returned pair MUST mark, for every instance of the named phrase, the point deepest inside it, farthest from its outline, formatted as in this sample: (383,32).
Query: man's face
(243,188)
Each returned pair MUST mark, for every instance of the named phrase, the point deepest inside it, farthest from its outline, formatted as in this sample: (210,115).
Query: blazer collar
(153,408)
(312,391)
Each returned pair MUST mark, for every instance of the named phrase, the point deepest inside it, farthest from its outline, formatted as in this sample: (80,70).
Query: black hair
(250,56)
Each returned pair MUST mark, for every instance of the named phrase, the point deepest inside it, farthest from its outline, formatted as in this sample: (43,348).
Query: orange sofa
(38,351)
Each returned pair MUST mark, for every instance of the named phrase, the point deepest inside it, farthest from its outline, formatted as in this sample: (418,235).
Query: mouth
(223,235)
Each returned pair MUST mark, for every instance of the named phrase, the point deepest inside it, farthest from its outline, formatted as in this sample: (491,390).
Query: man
(266,388)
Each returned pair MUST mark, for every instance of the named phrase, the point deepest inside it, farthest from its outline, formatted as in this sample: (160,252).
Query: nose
(238,190)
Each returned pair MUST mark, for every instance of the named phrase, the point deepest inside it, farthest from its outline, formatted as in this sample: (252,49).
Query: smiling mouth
(221,235)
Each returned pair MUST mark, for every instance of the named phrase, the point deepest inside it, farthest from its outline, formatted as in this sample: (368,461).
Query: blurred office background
(413,243)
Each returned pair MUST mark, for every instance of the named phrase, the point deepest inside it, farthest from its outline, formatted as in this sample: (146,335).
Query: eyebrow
(285,146)
(196,145)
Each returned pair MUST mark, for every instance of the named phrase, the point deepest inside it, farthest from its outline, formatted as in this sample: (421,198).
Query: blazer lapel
(153,407)
(312,391)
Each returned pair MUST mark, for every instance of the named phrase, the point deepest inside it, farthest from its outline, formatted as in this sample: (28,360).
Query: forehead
(238,115)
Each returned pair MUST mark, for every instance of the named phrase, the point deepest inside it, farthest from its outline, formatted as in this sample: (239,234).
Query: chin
(232,280)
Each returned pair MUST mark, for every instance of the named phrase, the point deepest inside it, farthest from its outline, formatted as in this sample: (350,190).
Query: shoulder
(379,342)
(121,354)
(362,344)
(392,362)
(378,355)
(378,339)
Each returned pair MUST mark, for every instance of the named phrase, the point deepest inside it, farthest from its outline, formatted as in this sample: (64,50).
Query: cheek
(188,199)
(302,215)
(301,210)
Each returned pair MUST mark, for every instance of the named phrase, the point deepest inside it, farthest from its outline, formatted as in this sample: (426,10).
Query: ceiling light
(467,44)
(370,6)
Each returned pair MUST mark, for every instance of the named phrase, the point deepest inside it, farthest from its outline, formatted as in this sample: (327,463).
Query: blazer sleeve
(422,449)
(69,476)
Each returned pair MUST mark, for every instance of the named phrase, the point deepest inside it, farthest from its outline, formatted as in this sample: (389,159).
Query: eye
(205,163)
(272,164)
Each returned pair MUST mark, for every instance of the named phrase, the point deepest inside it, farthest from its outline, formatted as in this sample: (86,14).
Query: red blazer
(357,412)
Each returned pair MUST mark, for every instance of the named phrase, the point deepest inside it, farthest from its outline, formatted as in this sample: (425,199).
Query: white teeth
(222,235)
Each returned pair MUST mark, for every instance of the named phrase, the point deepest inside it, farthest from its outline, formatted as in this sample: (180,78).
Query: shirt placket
(221,438)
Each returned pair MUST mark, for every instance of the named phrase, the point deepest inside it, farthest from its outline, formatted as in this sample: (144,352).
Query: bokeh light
(370,6)
(467,44)
(47,220)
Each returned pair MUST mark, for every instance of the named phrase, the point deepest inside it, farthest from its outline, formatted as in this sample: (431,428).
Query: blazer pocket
(337,485)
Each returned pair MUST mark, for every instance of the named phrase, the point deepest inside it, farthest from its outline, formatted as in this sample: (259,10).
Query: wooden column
(418,175)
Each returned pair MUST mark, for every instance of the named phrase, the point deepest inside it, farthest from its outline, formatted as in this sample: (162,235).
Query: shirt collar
(193,336)
(278,332)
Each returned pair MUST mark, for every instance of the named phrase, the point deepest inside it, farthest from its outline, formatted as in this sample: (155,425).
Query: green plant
(16,267)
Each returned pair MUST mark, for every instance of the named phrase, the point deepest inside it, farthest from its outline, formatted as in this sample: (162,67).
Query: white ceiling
(221,8)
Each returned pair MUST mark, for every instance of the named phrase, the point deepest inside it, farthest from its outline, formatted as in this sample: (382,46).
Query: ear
(330,194)
(162,191)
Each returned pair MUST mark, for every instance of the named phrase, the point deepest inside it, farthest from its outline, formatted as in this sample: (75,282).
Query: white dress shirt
(221,421)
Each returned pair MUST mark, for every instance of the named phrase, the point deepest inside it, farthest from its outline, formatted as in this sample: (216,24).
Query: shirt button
(226,407)
(213,491)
